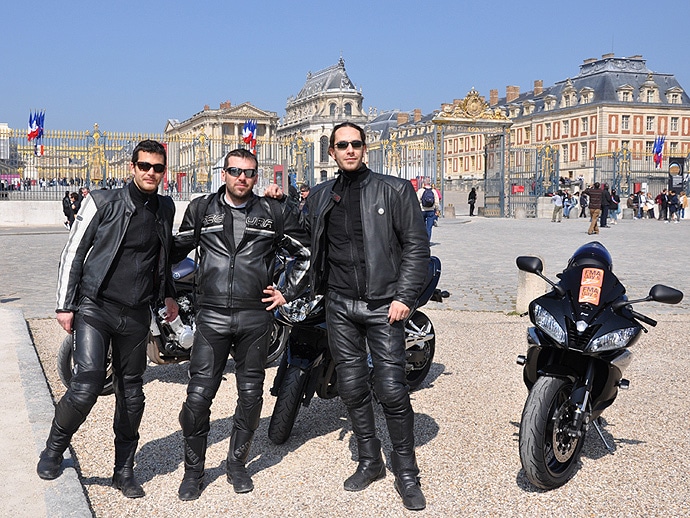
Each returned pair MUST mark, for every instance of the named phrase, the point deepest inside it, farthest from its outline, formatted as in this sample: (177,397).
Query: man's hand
(65,319)
(397,311)
(274,297)
(171,309)
(274,191)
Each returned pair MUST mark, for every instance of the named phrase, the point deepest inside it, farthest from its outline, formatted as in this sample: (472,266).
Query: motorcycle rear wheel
(416,372)
(290,396)
(65,366)
(279,339)
(548,454)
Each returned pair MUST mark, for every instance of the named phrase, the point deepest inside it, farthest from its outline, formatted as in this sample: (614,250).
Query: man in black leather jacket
(369,253)
(116,263)
(238,234)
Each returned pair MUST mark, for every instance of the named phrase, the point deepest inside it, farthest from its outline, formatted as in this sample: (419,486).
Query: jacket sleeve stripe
(70,268)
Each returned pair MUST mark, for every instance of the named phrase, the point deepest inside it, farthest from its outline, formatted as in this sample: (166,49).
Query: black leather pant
(97,326)
(244,334)
(349,323)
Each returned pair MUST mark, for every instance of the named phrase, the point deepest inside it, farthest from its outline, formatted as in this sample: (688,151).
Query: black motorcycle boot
(407,480)
(50,460)
(194,460)
(123,475)
(371,466)
(240,443)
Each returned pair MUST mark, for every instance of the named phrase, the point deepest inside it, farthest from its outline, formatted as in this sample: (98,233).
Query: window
(675,99)
(650,123)
(650,96)
(583,151)
(528,131)
(566,128)
(564,152)
(673,148)
(648,150)
(625,122)
(567,101)
(323,141)
(626,97)
(547,130)
(348,109)
(674,123)
(585,99)
(584,123)
(332,110)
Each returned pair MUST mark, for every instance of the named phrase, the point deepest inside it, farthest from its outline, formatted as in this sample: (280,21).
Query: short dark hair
(362,135)
(149,146)
(241,153)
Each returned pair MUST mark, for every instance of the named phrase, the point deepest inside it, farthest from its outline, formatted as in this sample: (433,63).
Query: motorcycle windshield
(590,290)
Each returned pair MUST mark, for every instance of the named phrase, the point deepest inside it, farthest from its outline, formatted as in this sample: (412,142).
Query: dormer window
(650,96)
(625,97)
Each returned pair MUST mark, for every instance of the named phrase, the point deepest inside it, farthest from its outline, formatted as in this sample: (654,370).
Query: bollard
(449,211)
(529,288)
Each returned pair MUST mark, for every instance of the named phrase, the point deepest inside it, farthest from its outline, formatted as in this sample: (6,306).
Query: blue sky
(131,66)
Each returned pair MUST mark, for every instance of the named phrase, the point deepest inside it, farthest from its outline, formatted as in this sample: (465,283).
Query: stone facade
(327,98)
(612,104)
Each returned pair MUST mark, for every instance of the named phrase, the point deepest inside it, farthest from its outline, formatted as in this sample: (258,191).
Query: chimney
(493,97)
(417,114)
(589,60)
(607,56)
(538,86)
(226,105)
(512,93)
(403,118)
(206,107)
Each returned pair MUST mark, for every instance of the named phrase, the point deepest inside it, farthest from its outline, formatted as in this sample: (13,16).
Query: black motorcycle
(169,342)
(578,350)
(307,367)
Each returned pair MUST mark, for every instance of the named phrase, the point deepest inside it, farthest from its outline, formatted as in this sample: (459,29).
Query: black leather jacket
(232,277)
(396,245)
(95,240)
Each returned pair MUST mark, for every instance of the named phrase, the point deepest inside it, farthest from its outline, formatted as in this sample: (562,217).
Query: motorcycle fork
(581,414)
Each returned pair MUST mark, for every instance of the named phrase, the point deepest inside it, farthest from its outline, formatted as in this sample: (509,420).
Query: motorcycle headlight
(547,323)
(613,340)
(299,309)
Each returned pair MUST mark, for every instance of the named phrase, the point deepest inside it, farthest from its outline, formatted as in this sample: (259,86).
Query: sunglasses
(236,171)
(356,144)
(145,166)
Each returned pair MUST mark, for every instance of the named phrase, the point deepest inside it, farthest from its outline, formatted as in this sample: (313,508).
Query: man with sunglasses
(238,234)
(116,263)
(369,253)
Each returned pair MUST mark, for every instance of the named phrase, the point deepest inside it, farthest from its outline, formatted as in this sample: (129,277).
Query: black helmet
(592,254)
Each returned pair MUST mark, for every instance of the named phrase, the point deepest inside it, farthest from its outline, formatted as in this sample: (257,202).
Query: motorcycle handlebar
(643,318)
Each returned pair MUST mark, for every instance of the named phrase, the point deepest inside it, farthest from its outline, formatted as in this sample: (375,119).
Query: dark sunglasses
(356,144)
(236,171)
(145,166)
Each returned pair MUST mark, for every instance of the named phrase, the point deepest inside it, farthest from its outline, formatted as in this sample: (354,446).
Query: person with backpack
(429,203)
(238,234)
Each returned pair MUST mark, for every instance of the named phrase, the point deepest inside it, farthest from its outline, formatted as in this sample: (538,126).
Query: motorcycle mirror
(665,294)
(529,264)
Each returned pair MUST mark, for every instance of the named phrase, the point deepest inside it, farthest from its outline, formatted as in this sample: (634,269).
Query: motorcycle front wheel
(65,366)
(420,345)
(549,455)
(290,396)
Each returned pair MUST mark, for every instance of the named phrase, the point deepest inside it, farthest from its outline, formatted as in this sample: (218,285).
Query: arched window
(348,109)
(332,109)
(324,148)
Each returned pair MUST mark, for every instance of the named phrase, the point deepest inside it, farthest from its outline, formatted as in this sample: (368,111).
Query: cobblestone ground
(477,255)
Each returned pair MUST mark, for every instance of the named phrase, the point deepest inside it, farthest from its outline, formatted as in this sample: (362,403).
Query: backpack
(428,200)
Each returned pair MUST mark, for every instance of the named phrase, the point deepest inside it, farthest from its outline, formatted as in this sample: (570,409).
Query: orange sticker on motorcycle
(589,294)
(592,277)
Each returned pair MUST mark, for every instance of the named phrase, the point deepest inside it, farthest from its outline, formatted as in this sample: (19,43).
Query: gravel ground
(467,420)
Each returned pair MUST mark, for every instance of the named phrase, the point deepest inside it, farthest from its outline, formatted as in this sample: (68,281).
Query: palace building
(613,104)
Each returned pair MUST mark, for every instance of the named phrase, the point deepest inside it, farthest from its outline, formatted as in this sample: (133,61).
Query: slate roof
(332,78)
(605,77)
